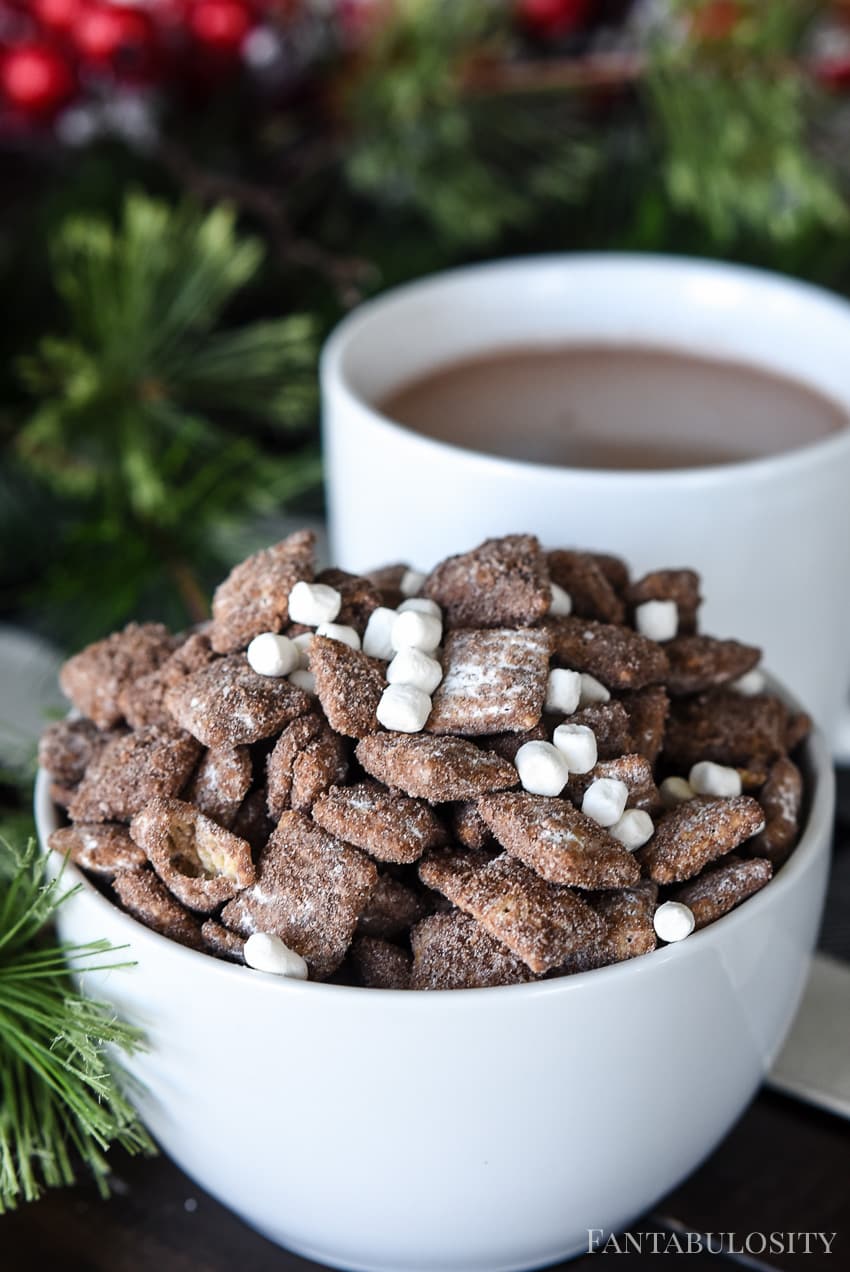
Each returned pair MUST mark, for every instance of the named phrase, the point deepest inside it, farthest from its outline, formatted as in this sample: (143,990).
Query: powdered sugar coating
(254,597)
(94,678)
(698,663)
(67,748)
(379,964)
(696,832)
(102,848)
(439,769)
(310,890)
(349,684)
(132,769)
(200,862)
(557,841)
(617,656)
(452,951)
(781,798)
(391,909)
(307,758)
(386,824)
(228,704)
(143,700)
(542,924)
(720,889)
(220,782)
(144,896)
(502,583)
(582,576)
(494,681)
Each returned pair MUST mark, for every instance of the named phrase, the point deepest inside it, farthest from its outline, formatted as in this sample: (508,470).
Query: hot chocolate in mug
(770,534)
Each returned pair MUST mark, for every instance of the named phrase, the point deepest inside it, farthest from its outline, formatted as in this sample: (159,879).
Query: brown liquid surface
(610,406)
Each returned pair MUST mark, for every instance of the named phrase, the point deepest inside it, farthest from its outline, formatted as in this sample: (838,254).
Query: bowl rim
(815,838)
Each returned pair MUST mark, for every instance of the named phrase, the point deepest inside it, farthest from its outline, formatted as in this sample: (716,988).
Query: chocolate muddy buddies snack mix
(519,765)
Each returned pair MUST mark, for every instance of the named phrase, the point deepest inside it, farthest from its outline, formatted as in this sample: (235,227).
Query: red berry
(221,25)
(35,79)
(56,15)
(118,38)
(554,17)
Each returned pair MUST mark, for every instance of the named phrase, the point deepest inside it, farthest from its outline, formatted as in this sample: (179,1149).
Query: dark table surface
(784,1167)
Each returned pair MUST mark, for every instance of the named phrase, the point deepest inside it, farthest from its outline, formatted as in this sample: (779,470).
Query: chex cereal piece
(220,941)
(468,827)
(200,862)
(502,583)
(719,889)
(781,797)
(697,832)
(310,890)
(614,568)
(439,769)
(452,951)
(359,595)
(252,822)
(392,908)
(379,964)
(581,575)
(494,681)
(307,758)
(102,848)
(507,744)
(228,704)
(220,783)
(681,586)
(132,769)
(698,663)
(254,597)
(617,656)
(143,895)
(634,770)
(94,678)
(727,727)
(387,581)
(142,701)
(67,747)
(541,923)
(558,842)
(647,710)
(349,684)
(610,724)
(627,916)
(386,824)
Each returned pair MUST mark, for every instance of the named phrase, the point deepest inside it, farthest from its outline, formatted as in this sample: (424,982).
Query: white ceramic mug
(771,536)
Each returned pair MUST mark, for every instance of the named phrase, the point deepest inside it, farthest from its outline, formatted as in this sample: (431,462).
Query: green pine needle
(60,1102)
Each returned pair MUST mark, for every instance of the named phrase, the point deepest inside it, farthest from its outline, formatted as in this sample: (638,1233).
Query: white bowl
(477,1130)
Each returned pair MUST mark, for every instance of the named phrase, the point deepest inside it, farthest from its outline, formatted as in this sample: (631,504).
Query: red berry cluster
(51,51)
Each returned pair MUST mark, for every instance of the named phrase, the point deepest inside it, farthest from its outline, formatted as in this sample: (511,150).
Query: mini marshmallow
(403,708)
(313,603)
(708,778)
(267,953)
(673,921)
(675,790)
(561,604)
(339,631)
(634,829)
(271,655)
(303,643)
(421,631)
(413,667)
(563,690)
(750,683)
(377,638)
(421,605)
(411,582)
(659,620)
(605,800)
(302,679)
(542,768)
(592,690)
(577,744)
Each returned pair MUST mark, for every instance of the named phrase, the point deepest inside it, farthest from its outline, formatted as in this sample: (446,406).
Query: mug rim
(815,838)
(333,377)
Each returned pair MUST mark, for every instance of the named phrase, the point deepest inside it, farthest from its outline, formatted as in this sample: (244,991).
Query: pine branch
(60,1100)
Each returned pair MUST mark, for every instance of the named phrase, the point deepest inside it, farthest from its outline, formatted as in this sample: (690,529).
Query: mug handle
(841,747)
